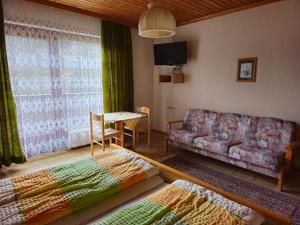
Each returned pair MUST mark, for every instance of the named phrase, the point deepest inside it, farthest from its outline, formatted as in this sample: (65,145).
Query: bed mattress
(98,211)
(50,194)
(181,202)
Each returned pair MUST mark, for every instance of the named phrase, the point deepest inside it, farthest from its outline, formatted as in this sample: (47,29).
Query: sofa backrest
(247,128)
(229,124)
(237,128)
(267,133)
(203,122)
(274,134)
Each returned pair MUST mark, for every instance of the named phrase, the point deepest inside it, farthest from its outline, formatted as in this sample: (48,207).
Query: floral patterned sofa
(260,144)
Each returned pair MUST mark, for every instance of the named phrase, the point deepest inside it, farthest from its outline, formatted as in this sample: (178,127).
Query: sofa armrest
(170,123)
(290,150)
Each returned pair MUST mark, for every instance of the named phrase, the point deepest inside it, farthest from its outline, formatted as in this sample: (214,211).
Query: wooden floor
(157,152)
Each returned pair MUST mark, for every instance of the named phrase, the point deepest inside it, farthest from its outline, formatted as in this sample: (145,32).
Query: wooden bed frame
(169,175)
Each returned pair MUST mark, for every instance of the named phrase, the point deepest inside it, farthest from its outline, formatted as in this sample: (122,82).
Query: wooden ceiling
(128,11)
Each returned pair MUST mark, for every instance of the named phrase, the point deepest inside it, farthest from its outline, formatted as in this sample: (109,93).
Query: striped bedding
(47,195)
(183,203)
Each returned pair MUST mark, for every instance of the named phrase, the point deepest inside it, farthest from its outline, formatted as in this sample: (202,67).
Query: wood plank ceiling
(128,11)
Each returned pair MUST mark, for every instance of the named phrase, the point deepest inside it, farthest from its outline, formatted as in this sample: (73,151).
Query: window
(56,82)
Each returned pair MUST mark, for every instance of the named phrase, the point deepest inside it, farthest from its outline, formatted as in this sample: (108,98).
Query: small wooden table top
(123,118)
(115,117)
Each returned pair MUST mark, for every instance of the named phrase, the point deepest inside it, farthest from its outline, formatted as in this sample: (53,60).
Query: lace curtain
(56,82)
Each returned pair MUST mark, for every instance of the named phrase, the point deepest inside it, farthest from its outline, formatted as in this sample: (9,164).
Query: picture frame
(246,71)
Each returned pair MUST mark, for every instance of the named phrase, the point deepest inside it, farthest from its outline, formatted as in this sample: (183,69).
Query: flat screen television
(170,53)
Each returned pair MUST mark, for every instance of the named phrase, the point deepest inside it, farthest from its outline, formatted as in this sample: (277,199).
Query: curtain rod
(50,29)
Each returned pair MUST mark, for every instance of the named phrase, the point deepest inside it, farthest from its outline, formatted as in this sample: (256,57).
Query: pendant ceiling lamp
(157,22)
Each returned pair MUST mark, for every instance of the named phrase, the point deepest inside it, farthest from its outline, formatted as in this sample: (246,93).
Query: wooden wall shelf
(173,78)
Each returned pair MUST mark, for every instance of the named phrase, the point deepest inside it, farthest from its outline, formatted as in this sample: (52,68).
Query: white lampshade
(157,22)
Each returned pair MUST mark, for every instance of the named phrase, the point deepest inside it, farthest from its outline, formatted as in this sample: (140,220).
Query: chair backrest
(144,110)
(100,120)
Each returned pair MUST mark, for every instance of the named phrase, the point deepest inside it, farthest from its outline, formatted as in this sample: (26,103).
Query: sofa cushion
(183,136)
(256,155)
(201,121)
(213,144)
(229,123)
(274,134)
(246,128)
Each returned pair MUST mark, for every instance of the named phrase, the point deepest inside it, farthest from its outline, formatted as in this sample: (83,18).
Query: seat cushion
(213,144)
(256,155)
(183,136)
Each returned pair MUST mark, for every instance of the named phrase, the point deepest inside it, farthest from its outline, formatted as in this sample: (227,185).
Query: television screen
(170,53)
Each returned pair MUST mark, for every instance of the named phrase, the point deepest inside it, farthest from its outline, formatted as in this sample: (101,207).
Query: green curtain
(117,75)
(10,146)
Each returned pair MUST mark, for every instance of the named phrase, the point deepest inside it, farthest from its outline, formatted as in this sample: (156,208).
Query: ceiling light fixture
(157,22)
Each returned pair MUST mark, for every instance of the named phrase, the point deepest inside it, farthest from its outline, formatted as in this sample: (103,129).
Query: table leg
(120,127)
(133,139)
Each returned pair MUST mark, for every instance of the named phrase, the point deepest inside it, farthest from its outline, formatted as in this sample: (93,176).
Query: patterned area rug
(276,201)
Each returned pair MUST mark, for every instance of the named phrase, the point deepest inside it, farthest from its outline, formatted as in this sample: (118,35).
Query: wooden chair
(142,127)
(103,134)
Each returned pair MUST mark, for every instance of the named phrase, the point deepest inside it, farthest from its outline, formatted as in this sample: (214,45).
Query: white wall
(270,32)
(142,51)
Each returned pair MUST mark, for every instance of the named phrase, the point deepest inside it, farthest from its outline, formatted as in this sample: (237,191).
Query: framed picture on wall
(246,69)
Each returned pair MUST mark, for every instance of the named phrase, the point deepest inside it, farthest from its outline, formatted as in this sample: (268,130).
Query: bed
(113,203)
(48,195)
(74,193)
(182,202)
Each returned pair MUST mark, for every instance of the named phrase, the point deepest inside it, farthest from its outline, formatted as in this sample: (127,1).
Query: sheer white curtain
(56,82)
